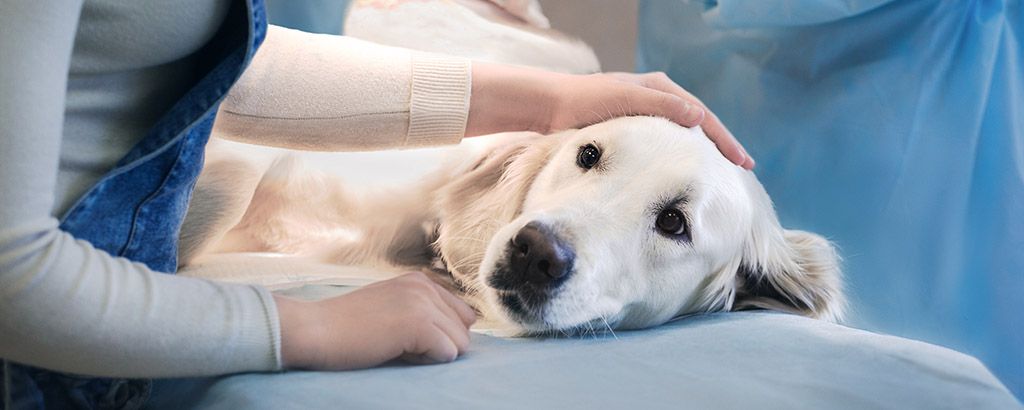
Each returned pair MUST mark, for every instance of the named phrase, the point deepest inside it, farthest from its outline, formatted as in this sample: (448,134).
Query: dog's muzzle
(536,263)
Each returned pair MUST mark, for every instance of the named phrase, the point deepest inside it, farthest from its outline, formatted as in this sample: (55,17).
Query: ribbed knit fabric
(270,313)
(439,104)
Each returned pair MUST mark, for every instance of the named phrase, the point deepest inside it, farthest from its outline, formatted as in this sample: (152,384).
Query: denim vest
(136,210)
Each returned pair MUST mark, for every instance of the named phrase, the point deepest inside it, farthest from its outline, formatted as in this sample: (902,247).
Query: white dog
(623,224)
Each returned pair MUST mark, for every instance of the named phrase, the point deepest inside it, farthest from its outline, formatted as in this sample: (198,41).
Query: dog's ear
(790,271)
(474,205)
(496,185)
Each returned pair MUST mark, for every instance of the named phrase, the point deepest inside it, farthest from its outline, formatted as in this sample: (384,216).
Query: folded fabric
(728,361)
(893,127)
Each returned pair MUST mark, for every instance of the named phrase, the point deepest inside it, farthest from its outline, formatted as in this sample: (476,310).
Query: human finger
(444,300)
(713,127)
(446,315)
(432,346)
(749,163)
(457,333)
(648,101)
(416,358)
(726,142)
(463,310)
(449,320)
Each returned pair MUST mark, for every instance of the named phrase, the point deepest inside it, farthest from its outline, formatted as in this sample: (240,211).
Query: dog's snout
(540,257)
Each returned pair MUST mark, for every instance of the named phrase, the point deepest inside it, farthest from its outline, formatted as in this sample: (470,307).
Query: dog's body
(658,226)
(623,224)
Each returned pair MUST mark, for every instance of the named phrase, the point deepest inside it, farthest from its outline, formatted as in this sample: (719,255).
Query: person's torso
(131,62)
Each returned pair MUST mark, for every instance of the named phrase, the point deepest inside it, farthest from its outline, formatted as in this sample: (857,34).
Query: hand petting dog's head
(625,224)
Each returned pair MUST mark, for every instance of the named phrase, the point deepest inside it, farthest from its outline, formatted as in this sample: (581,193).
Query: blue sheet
(746,360)
(896,128)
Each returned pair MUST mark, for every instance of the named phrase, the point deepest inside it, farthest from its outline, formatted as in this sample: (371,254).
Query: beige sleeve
(334,93)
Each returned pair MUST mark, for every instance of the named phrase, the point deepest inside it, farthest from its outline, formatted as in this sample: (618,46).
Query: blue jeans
(135,211)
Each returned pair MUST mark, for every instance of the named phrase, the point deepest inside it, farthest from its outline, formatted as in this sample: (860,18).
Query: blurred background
(608,26)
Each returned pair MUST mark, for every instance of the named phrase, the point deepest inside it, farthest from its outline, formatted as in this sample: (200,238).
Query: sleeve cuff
(270,310)
(439,101)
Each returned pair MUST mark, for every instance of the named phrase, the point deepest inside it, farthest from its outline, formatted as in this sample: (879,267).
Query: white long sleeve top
(81,82)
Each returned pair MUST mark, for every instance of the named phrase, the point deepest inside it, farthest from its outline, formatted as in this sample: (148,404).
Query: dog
(624,224)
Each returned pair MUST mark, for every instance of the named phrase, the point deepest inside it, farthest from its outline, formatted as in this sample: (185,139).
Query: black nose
(539,256)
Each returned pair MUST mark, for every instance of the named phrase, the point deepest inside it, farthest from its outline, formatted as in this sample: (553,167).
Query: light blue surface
(896,128)
(721,361)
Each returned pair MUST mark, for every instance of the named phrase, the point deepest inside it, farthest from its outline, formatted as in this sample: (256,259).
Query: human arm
(322,92)
(333,93)
(65,305)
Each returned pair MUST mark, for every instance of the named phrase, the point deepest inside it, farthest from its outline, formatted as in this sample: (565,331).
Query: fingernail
(743,157)
(747,159)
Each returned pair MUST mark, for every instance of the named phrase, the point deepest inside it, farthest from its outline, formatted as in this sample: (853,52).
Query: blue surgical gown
(893,127)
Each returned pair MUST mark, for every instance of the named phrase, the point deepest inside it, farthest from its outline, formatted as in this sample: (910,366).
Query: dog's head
(626,224)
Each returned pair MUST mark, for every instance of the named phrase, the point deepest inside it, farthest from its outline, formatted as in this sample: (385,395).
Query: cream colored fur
(459,218)
(454,211)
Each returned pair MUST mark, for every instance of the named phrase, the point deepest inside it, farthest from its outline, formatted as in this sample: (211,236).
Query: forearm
(332,93)
(69,307)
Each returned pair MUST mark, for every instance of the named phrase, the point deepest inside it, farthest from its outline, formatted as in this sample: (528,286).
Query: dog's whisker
(467,238)
(622,109)
(471,257)
(468,261)
(596,114)
(484,225)
(609,327)
(606,109)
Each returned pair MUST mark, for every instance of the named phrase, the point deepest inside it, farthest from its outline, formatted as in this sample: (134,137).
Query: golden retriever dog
(624,224)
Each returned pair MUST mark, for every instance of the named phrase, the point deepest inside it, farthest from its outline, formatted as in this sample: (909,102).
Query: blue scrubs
(896,129)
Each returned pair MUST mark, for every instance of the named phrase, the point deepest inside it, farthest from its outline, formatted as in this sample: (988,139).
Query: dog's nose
(540,257)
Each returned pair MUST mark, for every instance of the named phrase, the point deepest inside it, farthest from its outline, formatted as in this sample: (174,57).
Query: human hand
(585,100)
(408,317)
(506,98)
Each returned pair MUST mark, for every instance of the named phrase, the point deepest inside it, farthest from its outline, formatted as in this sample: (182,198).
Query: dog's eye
(588,156)
(671,222)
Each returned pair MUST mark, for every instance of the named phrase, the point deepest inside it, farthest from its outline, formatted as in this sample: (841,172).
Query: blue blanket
(729,360)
